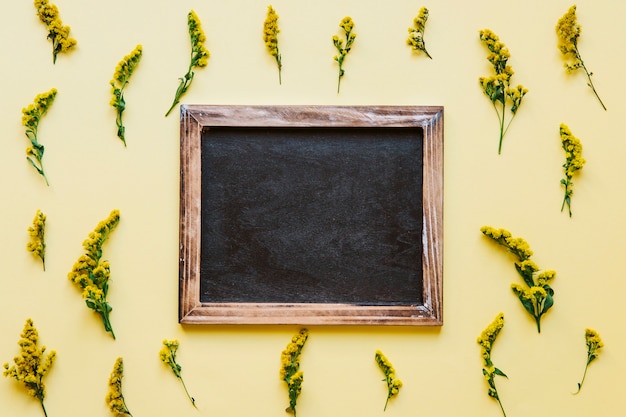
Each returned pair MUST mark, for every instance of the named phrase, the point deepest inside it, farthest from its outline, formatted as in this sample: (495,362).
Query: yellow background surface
(233,370)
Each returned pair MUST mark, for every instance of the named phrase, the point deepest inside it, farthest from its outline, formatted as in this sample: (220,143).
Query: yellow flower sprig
(168,357)
(270,37)
(498,87)
(121,77)
(115,397)
(290,368)
(568,31)
(343,48)
(573,162)
(91,274)
(57,33)
(416,33)
(37,243)
(393,383)
(199,56)
(32,364)
(486,340)
(31,116)
(594,344)
(537,296)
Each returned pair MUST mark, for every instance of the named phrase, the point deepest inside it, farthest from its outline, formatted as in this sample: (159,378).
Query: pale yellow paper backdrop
(233,370)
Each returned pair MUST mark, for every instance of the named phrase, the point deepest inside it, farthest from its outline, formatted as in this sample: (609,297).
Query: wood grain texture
(198,119)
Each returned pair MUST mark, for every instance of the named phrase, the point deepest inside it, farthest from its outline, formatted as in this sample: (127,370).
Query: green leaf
(528,305)
(499,372)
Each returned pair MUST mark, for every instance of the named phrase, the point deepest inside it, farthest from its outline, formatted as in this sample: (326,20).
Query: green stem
(580,384)
(193,401)
(590,84)
(43,407)
(501,407)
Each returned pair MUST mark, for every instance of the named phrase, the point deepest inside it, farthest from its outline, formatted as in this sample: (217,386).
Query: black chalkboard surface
(311,215)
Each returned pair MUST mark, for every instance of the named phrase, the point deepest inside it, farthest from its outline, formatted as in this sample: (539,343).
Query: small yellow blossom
(343,48)
(115,397)
(270,37)
(57,33)
(168,357)
(199,56)
(568,31)
(31,116)
(594,344)
(289,368)
(393,383)
(121,77)
(37,243)
(32,364)
(416,33)
(573,162)
(486,341)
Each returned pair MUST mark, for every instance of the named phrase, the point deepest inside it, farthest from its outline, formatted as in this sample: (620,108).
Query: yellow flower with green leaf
(32,364)
(115,398)
(57,33)
(168,357)
(573,162)
(594,344)
(121,77)
(393,383)
(290,368)
(343,46)
(31,117)
(37,243)
(568,31)
(270,37)
(486,341)
(416,33)
(199,57)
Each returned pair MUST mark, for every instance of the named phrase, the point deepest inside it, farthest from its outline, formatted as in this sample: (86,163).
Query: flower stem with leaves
(486,341)
(32,364)
(498,87)
(31,116)
(537,296)
(416,33)
(343,48)
(573,162)
(115,397)
(37,243)
(290,368)
(123,71)
(393,383)
(270,37)
(168,357)
(199,57)
(57,33)
(91,273)
(568,31)
(594,344)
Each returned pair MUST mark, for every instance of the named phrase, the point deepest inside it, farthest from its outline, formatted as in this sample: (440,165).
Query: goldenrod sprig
(91,274)
(573,162)
(537,296)
(168,357)
(498,87)
(37,243)
(121,77)
(290,368)
(416,33)
(594,344)
(568,31)
(57,33)
(199,56)
(393,383)
(31,116)
(270,37)
(115,397)
(32,364)
(343,47)
(486,340)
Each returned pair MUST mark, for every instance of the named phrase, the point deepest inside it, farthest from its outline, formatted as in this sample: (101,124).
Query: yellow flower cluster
(416,33)
(289,368)
(568,31)
(343,48)
(486,341)
(91,274)
(168,357)
(573,162)
(199,56)
(121,77)
(537,296)
(498,87)
(31,116)
(393,383)
(594,344)
(32,364)
(57,33)
(115,398)
(270,37)
(37,243)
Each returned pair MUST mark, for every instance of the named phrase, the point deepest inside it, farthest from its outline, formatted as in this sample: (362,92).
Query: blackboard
(311,215)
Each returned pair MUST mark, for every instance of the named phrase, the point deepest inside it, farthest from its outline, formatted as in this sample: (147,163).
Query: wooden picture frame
(199,124)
